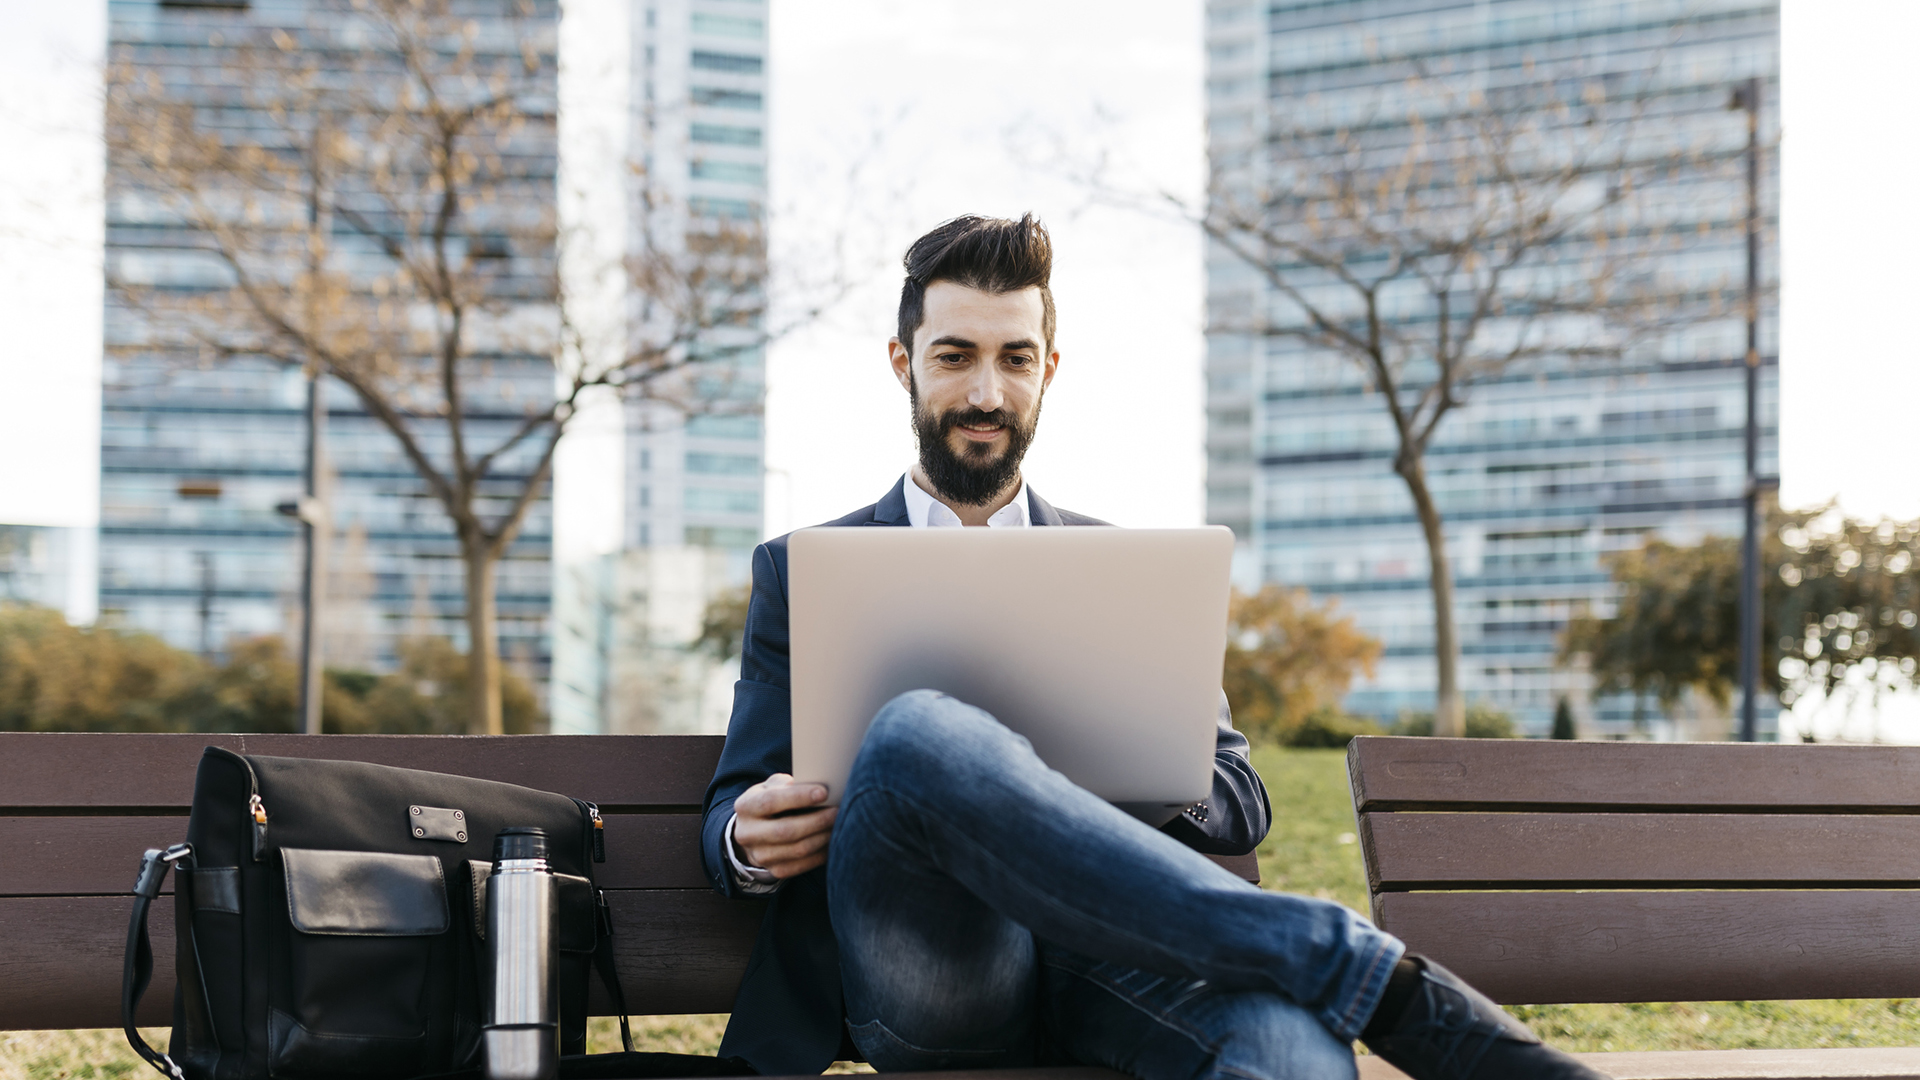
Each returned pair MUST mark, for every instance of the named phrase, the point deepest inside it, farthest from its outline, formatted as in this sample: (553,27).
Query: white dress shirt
(923,512)
(926,512)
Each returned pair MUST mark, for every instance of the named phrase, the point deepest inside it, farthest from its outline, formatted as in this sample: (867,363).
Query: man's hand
(779,826)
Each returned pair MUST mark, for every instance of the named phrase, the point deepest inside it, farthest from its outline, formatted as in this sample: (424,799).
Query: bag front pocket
(362,947)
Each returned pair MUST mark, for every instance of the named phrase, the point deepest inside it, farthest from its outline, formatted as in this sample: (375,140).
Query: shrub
(1288,657)
(1483,722)
(1328,727)
(1563,721)
(56,677)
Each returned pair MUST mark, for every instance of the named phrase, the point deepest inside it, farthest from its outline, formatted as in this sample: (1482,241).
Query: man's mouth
(980,432)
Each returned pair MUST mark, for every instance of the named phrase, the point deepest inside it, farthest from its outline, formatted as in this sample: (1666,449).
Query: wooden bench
(76,811)
(1625,872)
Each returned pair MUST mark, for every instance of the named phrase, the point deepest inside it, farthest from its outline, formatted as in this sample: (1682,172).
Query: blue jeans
(989,913)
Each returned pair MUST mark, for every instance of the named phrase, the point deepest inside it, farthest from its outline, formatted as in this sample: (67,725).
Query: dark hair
(990,254)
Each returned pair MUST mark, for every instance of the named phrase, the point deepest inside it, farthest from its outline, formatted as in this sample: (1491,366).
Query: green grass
(103,1054)
(94,1054)
(1311,851)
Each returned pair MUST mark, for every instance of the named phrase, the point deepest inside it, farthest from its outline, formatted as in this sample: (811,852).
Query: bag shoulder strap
(138,971)
(603,963)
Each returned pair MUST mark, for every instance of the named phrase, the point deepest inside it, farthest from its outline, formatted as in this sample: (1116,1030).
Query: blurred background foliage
(723,625)
(1840,602)
(57,677)
(1483,722)
(1290,661)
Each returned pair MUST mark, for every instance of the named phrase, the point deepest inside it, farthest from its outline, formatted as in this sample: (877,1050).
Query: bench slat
(1541,947)
(61,966)
(105,772)
(1041,1073)
(1843,1063)
(1400,773)
(678,951)
(1482,851)
(98,856)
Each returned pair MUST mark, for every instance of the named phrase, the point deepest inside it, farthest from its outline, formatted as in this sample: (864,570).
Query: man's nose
(986,393)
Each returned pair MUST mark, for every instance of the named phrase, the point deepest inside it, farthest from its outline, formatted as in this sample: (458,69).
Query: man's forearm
(1233,818)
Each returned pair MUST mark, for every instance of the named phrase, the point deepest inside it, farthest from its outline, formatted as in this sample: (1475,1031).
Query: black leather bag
(328,919)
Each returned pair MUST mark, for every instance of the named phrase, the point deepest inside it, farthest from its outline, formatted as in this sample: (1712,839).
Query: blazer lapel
(892,507)
(1039,510)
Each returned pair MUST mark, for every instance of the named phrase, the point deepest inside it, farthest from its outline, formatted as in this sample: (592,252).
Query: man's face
(979,368)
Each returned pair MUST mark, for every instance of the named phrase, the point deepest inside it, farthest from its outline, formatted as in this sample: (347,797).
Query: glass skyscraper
(694,476)
(196,457)
(1541,472)
(689,152)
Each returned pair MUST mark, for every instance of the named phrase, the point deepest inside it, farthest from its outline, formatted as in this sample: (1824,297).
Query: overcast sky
(946,87)
(50,281)
(966,99)
(928,99)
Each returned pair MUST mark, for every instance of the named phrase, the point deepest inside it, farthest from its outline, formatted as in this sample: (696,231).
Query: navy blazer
(788,1017)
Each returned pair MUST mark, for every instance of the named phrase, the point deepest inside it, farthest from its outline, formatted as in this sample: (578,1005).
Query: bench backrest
(76,811)
(1601,871)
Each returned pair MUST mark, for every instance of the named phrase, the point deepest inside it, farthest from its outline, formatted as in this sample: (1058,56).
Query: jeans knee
(898,723)
(936,985)
(1278,1041)
(926,727)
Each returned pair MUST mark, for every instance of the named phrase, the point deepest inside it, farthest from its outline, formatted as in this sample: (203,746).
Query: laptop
(1103,646)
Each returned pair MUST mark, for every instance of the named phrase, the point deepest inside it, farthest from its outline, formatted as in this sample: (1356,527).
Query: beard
(974,476)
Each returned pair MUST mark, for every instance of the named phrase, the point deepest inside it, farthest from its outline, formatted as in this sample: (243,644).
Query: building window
(724,427)
(723,208)
(726,99)
(726,136)
(728,26)
(732,172)
(723,501)
(734,62)
(723,464)
(721,536)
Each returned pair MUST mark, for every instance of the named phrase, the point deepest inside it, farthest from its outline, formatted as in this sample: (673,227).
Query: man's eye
(952,357)
(1019,361)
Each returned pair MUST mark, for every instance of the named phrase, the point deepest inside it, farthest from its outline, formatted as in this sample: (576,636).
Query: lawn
(1312,850)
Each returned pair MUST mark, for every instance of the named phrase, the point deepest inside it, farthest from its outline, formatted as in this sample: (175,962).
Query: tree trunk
(483,645)
(1449,713)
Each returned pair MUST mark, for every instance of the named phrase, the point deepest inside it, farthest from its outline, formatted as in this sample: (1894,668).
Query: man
(965,906)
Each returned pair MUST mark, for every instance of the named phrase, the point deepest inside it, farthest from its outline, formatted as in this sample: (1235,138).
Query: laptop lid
(1103,646)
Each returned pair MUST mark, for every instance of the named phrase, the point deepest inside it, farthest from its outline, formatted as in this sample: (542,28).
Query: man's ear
(902,363)
(1052,365)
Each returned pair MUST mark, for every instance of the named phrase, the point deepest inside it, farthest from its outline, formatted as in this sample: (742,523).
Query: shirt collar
(924,511)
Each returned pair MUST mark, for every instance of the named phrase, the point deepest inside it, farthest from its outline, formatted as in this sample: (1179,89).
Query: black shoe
(1450,1031)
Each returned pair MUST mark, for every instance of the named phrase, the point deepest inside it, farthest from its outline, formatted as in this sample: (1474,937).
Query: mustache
(978,418)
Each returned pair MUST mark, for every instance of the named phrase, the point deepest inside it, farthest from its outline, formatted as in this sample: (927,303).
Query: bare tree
(1458,235)
(363,192)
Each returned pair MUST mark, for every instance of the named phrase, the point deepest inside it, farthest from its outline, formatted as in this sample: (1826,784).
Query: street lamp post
(318,529)
(1748,98)
(312,509)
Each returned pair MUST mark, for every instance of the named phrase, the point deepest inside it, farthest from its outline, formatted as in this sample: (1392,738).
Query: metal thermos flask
(521,1037)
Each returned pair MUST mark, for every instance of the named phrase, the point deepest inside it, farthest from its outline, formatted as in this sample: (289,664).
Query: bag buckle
(153,868)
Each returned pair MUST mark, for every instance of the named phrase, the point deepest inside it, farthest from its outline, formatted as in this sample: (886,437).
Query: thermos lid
(520,842)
